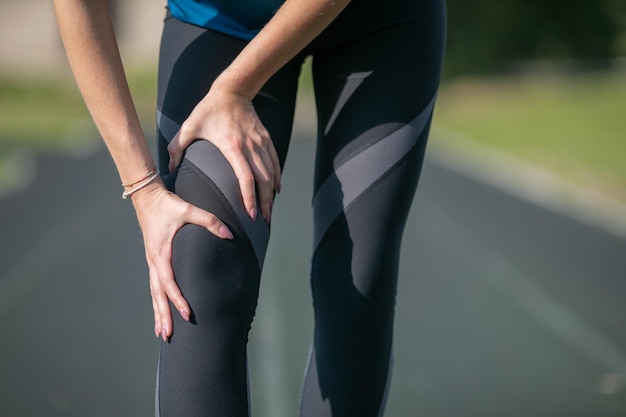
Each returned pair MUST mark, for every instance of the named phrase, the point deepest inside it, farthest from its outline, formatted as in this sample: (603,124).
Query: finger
(174,151)
(270,156)
(262,168)
(207,220)
(171,289)
(245,176)
(179,143)
(165,315)
(157,319)
(276,164)
(158,294)
(155,309)
(162,314)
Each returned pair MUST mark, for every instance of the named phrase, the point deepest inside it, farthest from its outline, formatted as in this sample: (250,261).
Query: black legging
(376,71)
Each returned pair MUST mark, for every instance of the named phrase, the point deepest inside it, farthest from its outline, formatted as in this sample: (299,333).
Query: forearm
(295,24)
(92,50)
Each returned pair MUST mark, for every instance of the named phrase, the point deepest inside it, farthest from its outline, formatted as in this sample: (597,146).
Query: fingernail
(225,231)
(253,214)
(156,330)
(171,166)
(164,334)
(184,314)
(267,217)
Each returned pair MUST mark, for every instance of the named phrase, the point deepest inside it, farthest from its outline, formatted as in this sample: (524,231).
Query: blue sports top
(242,19)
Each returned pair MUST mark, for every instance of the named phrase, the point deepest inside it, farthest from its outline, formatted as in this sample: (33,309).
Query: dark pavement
(504,308)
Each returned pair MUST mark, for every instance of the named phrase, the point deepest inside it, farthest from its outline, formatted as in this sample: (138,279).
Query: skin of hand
(226,117)
(231,123)
(89,40)
(90,43)
(160,214)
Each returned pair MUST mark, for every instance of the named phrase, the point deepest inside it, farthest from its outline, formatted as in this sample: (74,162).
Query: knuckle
(259,141)
(264,134)
(177,300)
(186,209)
(151,252)
(264,180)
(166,280)
(211,221)
(246,179)
(235,145)
(172,150)
(171,290)
(159,252)
(187,128)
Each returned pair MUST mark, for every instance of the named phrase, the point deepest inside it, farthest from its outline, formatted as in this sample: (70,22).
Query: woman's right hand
(161,213)
(229,121)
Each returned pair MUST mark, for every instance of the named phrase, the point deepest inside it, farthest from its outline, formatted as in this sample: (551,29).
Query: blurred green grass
(37,113)
(42,113)
(48,115)
(572,124)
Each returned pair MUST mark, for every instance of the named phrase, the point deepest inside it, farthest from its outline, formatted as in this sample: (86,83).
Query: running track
(504,308)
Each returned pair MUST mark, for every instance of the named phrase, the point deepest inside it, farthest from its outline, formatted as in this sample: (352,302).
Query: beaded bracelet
(153,175)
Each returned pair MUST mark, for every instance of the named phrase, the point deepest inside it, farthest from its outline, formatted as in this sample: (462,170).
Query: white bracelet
(148,175)
(148,180)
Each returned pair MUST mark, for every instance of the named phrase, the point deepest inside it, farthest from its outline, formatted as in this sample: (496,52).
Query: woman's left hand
(229,121)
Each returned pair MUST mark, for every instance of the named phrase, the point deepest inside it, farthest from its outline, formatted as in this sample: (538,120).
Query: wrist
(147,192)
(231,83)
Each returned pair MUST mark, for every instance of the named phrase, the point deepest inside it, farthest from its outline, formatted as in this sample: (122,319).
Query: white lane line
(498,272)
(529,182)
(57,246)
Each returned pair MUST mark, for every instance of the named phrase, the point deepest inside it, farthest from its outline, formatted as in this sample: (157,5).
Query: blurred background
(513,274)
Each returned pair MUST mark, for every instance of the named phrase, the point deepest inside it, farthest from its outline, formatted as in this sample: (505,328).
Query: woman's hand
(229,121)
(161,213)
(225,116)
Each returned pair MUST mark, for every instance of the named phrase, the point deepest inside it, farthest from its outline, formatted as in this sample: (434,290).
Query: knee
(219,278)
(206,180)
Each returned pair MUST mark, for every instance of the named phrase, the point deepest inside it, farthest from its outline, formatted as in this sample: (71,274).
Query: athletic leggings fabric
(375,74)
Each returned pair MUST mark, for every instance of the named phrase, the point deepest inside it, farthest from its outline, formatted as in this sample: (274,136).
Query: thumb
(175,151)
(207,220)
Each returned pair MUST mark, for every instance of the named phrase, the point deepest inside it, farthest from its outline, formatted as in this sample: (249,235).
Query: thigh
(375,96)
(190,59)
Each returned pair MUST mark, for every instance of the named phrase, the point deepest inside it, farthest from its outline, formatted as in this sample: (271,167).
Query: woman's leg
(202,368)
(375,97)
